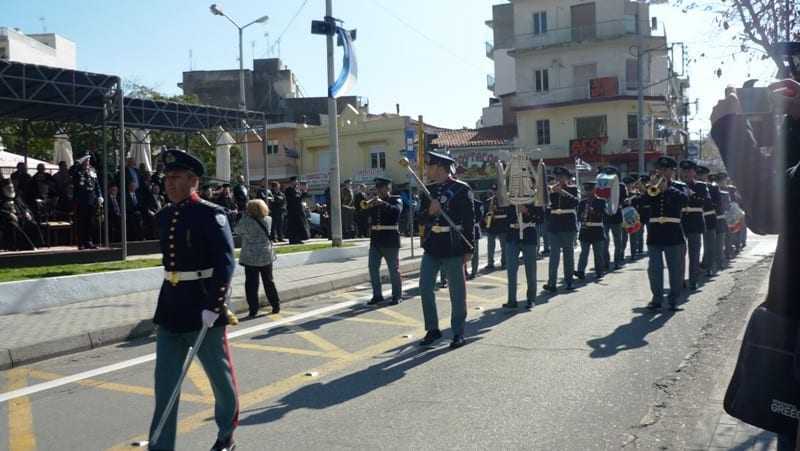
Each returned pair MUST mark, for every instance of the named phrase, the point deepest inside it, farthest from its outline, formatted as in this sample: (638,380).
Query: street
(579,371)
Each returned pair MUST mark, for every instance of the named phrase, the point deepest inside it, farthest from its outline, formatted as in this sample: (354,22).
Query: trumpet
(654,189)
(562,191)
(369,203)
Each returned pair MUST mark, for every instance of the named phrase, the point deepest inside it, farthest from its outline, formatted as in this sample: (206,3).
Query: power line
(288,25)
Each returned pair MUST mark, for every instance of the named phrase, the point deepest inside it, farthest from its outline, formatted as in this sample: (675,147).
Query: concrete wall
(281,166)
(559,15)
(44,49)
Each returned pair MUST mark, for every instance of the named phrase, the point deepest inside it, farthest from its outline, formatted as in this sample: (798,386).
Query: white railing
(600,30)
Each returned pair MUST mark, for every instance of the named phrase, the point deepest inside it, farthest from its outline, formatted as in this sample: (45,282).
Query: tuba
(654,188)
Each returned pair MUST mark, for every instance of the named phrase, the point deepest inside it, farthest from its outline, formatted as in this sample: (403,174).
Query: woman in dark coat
(296,229)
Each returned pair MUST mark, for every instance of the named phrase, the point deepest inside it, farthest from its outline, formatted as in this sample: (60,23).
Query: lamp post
(217,11)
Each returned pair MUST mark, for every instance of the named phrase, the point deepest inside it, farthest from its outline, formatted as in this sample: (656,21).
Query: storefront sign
(587,149)
(603,87)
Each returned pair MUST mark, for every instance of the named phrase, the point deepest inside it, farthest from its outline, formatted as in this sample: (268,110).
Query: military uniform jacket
(194,236)
(500,218)
(530,219)
(724,206)
(563,214)
(664,226)
(86,186)
(699,200)
(616,218)
(710,210)
(386,215)
(638,202)
(456,200)
(592,212)
(478,206)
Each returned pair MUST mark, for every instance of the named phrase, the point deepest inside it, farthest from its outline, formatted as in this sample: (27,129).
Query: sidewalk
(28,337)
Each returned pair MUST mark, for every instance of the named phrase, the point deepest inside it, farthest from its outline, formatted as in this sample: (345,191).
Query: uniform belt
(500,216)
(562,212)
(709,213)
(720,216)
(692,210)
(443,229)
(592,224)
(185,276)
(385,227)
(525,225)
(665,220)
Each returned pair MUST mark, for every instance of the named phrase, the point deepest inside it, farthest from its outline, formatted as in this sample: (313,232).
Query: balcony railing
(490,83)
(567,94)
(489,49)
(600,30)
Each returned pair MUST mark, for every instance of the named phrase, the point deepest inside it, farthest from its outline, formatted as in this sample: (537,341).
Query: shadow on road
(351,386)
(631,335)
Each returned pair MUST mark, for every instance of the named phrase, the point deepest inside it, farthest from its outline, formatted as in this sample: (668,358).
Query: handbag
(268,248)
(763,390)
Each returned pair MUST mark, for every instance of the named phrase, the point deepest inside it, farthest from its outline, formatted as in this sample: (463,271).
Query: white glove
(209,318)
(100,201)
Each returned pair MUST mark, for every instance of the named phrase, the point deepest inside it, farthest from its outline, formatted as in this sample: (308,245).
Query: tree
(762,23)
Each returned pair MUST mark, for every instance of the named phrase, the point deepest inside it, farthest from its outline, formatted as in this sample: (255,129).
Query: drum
(734,218)
(631,221)
(607,188)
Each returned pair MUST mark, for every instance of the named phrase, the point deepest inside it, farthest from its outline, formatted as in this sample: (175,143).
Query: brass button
(172,229)
(172,246)
(172,237)
(174,221)
(220,299)
(172,263)
(172,255)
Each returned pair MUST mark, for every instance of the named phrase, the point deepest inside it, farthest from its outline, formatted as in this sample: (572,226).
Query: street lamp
(217,11)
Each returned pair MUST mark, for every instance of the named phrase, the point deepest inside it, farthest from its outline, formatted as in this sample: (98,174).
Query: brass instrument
(552,189)
(369,203)
(654,189)
(491,213)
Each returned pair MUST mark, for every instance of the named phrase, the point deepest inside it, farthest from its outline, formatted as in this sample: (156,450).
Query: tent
(62,149)
(224,142)
(140,148)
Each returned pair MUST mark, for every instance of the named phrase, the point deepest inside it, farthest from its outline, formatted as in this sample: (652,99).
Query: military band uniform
(639,202)
(478,206)
(613,227)
(444,249)
(496,228)
(198,260)
(722,229)
(591,210)
(528,245)
(665,239)
(384,243)
(709,261)
(562,226)
(694,225)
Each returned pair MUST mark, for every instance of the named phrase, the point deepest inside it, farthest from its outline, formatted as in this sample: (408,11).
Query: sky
(428,56)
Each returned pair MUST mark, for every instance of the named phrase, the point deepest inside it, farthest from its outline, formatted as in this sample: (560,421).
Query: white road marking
(49,385)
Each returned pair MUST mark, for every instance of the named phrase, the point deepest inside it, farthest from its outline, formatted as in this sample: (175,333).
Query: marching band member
(528,245)
(613,227)
(709,261)
(591,210)
(445,246)
(692,219)
(496,222)
(562,226)
(634,200)
(478,206)
(384,212)
(664,234)
(722,224)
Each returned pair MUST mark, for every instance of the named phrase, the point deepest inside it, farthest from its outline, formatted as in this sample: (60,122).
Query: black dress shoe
(226,444)
(252,315)
(653,306)
(471,277)
(549,288)
(510,305)
(674,308)
(580,275)
(529,305)
(394,301)
(374,301)
(431,337)
(276,310)
(458,341)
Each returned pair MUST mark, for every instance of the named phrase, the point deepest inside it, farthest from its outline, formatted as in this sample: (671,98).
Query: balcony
(599,31)
(489,50)
(599,88)
(490,83)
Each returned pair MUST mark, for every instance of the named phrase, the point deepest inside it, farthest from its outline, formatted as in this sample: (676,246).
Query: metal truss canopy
(182,117)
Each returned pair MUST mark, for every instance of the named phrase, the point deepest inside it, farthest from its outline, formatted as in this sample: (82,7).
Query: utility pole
(640,88)
(333,138)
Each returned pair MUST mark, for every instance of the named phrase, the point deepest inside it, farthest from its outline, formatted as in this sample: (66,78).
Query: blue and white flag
(349,74)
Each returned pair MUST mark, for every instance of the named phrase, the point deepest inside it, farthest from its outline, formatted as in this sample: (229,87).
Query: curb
(14,357)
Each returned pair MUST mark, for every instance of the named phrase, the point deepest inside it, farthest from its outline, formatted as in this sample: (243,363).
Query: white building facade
(48,49)
(575,79)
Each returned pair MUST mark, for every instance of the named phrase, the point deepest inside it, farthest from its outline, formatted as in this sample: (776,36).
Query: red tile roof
(488,136)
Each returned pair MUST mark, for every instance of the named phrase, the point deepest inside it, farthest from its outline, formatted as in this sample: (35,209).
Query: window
(3,53)
(543,132)
(633,129)
(541,80)
(272,147)
(540,23)
(631,74)
(377,159)
(591,127)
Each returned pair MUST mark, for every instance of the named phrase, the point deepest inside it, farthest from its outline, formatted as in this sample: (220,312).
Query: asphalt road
(579,371)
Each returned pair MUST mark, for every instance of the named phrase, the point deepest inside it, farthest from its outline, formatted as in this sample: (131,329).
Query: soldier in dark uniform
(613,227)
(644,210)
(496,227)
(18,229)
(528,245)
(445,246)
(722,223)
(478,206)
(241,194)
(361,216)
(692,220)
(632,201)
(384,212)
(348,210)
(709,260)
(296,229)
(664,234)
(562,226)
(199,264)
(88,197)
(591,210)
(277,210)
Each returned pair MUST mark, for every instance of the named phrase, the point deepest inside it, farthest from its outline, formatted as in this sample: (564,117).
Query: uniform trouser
(454,268)
(597,250)
(251,276)
(529,251)
(475,256)
(616,232)
(722,237)
(86,223)
(693,247)
(561,242)
(541,231)
(490,247)
(392,258)
(277,225)
(710,250)
(171,350)
(637,242)
(743,234)
(655,271)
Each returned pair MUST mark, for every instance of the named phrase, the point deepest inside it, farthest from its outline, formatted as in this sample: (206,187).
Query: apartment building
(566,74)
(46,49)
